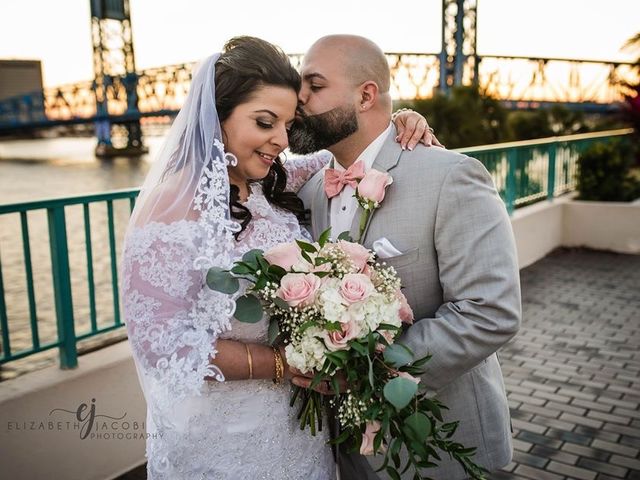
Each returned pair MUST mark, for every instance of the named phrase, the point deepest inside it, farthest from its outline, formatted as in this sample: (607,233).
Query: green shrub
(604,173)
(464,118)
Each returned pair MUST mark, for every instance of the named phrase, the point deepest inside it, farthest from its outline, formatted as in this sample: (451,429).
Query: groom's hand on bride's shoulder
(304,380)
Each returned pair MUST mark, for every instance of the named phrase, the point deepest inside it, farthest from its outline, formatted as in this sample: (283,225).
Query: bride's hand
(412,128)
(325,387)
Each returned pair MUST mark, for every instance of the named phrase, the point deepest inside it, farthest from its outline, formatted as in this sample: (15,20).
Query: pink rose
(368,437)
(299,288)
(284,255)
(356,287)
(358,254)
(338,340)
(372,186)
(406,313)
(408,376)
(388,336)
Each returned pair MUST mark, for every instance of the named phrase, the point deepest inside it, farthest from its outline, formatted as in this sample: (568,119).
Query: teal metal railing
(533,170)
(61,274)
(524,172)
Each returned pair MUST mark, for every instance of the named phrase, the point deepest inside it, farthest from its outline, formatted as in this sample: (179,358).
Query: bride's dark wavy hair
(245,65)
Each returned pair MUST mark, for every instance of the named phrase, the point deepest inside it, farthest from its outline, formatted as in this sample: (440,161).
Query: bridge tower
(116,79)
(458,57)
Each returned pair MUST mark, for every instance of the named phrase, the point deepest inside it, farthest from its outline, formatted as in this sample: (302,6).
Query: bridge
(120,96)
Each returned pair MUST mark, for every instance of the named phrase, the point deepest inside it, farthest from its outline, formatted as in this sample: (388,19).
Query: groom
(441,225)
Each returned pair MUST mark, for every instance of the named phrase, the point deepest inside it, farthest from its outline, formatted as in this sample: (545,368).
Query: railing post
(510,193)
(5,344)
(62,286)
(551,173)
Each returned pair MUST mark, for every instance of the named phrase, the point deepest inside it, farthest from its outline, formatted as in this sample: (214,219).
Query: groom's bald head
(360,58)
(344,99)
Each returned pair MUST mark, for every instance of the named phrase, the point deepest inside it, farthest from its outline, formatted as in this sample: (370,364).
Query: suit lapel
(387,159)
(320,219)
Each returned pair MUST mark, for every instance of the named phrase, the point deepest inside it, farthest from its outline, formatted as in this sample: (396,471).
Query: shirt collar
(369,154)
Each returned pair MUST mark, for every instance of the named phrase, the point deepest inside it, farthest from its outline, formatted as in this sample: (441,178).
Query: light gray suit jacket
(460,275)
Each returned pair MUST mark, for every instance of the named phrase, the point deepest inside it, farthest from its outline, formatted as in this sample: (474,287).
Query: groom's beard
(311,133)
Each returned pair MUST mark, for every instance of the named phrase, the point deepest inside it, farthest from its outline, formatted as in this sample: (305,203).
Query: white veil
(180,227)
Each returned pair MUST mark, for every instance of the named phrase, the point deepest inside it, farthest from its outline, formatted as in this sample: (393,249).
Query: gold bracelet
(279,366)
(249,361)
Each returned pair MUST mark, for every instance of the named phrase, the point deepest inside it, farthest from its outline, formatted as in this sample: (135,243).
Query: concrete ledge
(538,230)
(38,441)
(565,222)
(602,226)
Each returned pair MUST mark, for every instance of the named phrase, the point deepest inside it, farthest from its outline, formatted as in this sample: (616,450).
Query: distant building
(18,77)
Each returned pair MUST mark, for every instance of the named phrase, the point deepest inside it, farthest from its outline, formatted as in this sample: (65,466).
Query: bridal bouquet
(339,312)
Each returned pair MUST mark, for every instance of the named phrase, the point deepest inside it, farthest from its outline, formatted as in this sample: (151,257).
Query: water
(49,168)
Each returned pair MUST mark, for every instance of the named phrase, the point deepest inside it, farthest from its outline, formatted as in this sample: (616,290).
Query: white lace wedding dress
(211,429)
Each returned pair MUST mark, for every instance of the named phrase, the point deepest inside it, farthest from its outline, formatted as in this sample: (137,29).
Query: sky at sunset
(171,31)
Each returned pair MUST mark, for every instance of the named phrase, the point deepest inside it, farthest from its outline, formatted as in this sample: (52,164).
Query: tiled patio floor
(573,371)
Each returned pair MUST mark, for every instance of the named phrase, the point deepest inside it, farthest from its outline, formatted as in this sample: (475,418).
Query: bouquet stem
(310,413)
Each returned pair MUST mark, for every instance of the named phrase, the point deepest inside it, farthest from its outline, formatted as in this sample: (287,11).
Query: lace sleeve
(173,319)
(301,169)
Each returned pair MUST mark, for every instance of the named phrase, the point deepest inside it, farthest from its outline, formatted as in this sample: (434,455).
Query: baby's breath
(351,410)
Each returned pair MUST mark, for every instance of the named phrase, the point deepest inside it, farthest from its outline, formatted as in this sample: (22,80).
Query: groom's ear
(368,95)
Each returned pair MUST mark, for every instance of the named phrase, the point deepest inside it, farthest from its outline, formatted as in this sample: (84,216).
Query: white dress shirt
(344,206)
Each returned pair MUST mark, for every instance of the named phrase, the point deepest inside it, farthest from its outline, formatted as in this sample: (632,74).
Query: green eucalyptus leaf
(222,281)
(277,271)
(252,256)
(241,269)
(400,391)
(397,355)
(248,309)
(420,425)
(263,264)
(274,331)
(261,283)
(280,303)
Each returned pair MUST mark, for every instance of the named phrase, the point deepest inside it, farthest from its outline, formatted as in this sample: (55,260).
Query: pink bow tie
(334,180)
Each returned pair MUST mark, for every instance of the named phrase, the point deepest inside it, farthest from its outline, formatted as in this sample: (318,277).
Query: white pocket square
(385,249)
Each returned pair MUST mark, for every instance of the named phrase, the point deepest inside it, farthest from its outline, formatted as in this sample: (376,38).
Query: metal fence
(533,170)
(56,211)
(524,172)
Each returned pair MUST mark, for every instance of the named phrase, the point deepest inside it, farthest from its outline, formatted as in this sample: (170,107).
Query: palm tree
(633,44)
(631,111)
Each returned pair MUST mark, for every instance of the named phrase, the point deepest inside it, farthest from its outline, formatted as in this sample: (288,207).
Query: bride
(217,401)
